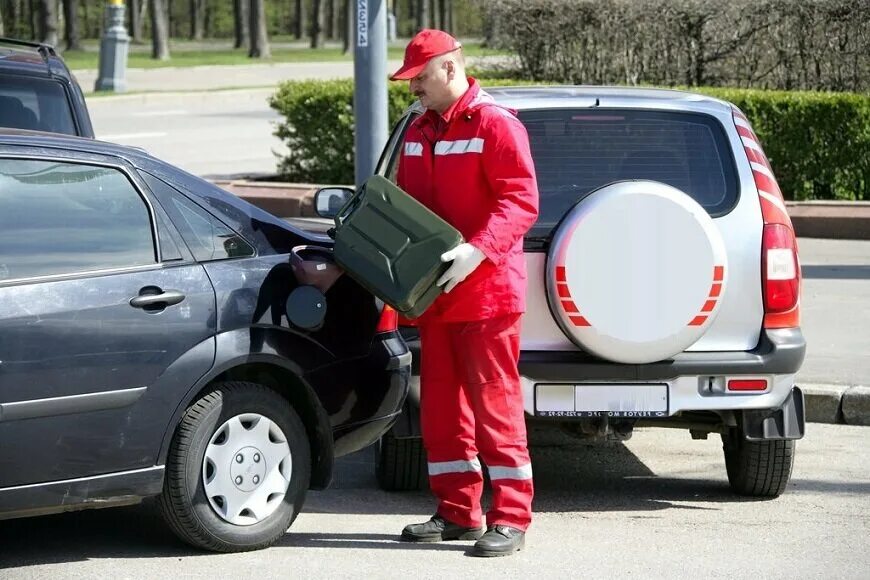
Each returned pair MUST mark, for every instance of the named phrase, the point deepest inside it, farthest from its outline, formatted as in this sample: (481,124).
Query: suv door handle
(161,300)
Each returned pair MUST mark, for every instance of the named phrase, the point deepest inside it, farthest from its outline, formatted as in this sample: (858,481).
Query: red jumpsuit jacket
(472,166)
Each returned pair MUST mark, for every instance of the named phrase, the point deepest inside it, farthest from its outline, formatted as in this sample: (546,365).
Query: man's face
(431,86)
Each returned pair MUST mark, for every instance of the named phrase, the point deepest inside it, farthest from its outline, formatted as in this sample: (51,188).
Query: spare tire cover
(636,272)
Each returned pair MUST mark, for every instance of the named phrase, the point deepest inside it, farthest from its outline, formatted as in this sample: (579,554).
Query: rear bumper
(692,377)
(361,420)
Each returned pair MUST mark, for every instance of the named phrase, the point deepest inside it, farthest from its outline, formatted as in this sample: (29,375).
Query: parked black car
(38,92)
(145,346)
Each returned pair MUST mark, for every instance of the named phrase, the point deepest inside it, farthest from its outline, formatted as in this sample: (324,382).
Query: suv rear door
(579,150)
(84,337)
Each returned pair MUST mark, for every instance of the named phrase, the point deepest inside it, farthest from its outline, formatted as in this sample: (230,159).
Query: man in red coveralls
(468,159)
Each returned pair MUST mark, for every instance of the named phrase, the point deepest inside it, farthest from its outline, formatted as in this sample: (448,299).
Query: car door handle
(163,299)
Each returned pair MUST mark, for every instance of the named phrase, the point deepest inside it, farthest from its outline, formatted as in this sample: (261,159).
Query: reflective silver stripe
(460,466)
(456,147)
(413,149)
(520,472)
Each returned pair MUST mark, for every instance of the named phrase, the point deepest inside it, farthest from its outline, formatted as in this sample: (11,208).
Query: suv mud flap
(786,422)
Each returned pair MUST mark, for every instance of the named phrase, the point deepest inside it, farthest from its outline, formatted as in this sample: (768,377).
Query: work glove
(466,258)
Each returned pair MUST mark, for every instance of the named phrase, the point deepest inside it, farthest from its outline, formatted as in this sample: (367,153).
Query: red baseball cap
(426,45)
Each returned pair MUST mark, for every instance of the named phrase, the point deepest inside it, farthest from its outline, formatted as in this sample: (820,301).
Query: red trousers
(472,404)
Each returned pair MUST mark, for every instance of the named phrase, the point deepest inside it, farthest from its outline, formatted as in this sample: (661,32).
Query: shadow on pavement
(569,477)
(366,541)
(836,272)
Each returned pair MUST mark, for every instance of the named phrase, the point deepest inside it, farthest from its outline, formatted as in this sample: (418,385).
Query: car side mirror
(329,200)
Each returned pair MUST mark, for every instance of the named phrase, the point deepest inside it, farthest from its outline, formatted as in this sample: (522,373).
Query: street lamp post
(114,45)
(370,85)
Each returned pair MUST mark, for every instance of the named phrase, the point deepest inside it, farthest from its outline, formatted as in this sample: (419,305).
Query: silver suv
(664,281)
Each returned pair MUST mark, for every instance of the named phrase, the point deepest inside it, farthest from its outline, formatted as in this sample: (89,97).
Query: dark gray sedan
(159,336)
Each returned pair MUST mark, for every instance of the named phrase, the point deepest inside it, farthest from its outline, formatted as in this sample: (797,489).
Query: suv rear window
(578,151)
(35,104)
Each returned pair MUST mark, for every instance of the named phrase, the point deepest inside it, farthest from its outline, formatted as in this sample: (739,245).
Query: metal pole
(113,50)
(370,85)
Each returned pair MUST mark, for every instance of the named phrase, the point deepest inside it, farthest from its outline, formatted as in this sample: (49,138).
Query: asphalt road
(655,507)
(216,134)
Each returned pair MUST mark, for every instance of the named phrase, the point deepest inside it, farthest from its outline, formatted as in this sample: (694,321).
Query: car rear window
(578,151)
(35,104)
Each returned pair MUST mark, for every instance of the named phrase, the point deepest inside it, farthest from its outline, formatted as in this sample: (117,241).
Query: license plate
(605,400)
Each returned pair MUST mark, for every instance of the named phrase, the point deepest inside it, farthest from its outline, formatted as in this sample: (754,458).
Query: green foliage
(818,143)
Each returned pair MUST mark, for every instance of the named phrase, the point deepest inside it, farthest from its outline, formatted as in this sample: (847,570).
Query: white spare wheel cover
(636,272)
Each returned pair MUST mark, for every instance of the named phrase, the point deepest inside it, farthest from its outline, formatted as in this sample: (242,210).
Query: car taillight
(389,320)
(780,268)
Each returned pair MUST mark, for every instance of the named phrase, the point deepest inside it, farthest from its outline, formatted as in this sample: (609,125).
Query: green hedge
(818,143)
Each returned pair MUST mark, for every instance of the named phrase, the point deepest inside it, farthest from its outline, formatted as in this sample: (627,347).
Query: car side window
(62,218)
(207,237)
(388,165)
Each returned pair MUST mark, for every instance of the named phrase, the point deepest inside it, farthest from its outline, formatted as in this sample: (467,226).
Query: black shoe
(438,530)
(499,541)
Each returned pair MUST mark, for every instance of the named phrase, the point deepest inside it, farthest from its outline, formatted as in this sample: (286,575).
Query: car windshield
(577,151)
(35,104)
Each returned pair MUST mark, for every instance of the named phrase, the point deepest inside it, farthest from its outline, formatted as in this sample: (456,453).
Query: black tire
(757,468)
(184,504)
(401,463)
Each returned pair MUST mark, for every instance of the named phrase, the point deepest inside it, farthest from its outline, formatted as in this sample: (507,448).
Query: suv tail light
(780,273)
(780,268)
(389,320)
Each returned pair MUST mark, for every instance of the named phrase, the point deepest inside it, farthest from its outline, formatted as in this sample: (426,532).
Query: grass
(187,54)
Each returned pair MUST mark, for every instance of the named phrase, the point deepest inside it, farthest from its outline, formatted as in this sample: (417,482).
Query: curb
(837,404)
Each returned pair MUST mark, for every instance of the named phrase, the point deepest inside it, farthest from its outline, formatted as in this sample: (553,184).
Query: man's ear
(450,66)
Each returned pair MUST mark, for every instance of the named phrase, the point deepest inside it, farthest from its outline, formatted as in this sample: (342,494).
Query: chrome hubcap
(246,469)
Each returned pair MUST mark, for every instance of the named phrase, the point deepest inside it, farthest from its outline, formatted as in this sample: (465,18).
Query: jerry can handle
(350,206)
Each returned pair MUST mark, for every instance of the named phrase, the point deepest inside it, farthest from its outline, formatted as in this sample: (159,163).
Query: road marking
(125,136)
(174,113)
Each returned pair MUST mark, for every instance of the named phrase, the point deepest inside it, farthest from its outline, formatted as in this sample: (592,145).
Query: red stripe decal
(715,290)
(563,291)
(708,306)
(718,273)
(560,274)
(569,306)
(698,321)
(579,321)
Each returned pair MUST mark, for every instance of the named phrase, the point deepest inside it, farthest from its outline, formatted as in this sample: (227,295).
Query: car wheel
(757,468)
(237,471)
(401,463)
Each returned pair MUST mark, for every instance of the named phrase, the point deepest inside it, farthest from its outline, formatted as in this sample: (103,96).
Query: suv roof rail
(46,50)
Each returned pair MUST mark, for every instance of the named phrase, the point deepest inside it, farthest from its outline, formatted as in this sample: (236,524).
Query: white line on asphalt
(175,113)
(124,136)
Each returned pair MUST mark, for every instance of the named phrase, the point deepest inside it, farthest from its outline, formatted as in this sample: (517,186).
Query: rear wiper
(536,243)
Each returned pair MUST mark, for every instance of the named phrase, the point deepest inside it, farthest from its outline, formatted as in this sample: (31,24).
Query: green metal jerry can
(391,244)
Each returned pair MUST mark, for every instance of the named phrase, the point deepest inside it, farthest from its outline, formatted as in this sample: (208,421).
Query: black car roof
(31,58)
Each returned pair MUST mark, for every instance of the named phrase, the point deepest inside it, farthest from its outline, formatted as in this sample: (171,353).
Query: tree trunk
(134,20)
(241,23)
(336,19)
(299,31)
(71,24)
(347,26)
(197,19)
(47,21)
(449,26)
(2,28)
(438,14)
(422,14)
(259,36)
(316,31)
(159,30)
